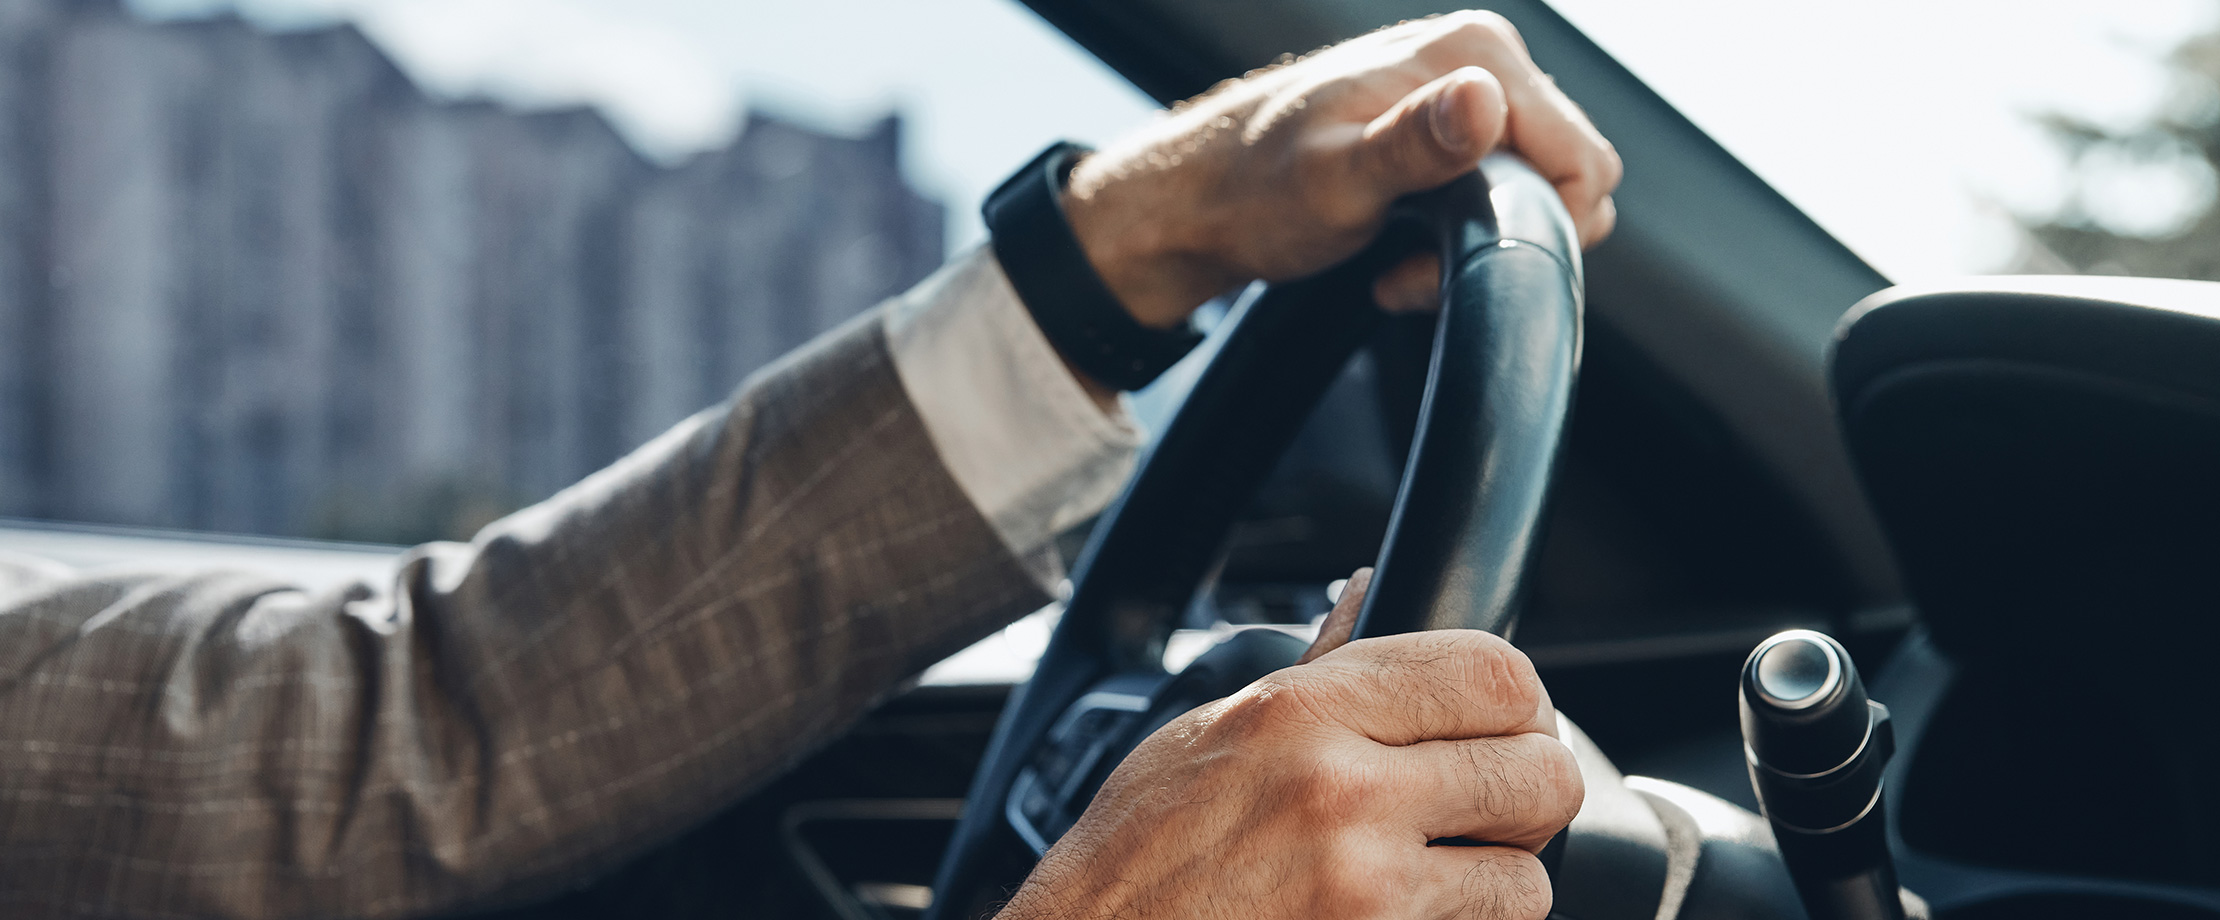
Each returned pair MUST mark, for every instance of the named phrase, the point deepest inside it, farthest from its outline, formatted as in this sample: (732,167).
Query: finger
(1542,124)
(1412,286)
(1557,138)
(1550,717)
(1516,790)
(1334,633)
(1427,686)
(1599,224)
(1435,134)
(1497,883)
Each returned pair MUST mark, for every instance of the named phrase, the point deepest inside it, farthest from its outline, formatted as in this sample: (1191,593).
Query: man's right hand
(1318,791)
(1291,169)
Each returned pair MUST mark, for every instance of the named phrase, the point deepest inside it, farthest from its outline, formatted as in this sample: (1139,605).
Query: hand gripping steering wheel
(1459,544)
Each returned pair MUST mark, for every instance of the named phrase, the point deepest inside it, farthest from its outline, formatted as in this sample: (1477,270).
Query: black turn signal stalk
(1816,748)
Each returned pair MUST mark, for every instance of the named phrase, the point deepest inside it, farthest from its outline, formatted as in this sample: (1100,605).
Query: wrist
(1126,222)
(1048,266)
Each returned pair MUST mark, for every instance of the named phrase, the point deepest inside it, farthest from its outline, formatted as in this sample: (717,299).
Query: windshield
(1940,137)
(1935,137)
(383,270)
(567,224)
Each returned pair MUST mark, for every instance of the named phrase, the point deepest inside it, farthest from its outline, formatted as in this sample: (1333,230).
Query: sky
(1903,126)
(1906,127)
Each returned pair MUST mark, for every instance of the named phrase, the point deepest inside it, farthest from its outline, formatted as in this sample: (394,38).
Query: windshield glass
(567,224)
(978,85)
(1940,137)
(383,270)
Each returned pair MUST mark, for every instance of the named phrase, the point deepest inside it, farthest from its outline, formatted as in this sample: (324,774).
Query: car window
(383,270)
(1940,137)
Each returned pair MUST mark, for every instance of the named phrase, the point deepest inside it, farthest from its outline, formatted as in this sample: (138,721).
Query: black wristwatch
(1068,299)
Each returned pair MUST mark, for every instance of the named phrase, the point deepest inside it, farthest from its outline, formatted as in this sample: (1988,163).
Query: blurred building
(261,282)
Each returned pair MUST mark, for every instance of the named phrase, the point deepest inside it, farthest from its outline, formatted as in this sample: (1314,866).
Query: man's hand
(1317,791)
(1291,169)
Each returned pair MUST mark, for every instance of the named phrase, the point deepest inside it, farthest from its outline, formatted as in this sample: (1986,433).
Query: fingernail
(1449,124)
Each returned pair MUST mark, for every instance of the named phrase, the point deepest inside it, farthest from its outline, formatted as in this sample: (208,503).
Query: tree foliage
(2184,137)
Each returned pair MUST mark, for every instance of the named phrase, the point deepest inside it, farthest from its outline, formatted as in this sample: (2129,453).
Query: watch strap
(1068,299)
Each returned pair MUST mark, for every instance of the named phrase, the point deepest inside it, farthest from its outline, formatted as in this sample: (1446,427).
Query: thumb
(1334,633)
(1436,133)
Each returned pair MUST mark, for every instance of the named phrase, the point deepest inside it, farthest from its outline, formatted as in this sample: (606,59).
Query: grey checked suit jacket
(585,678)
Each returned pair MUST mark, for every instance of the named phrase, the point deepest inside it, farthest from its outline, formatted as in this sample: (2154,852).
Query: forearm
(588,675)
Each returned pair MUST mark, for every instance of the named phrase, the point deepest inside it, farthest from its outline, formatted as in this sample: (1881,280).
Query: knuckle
(1611,168)
(1505,676)
(1271,704)
(1334,791)
(1596,173)
(1517,680)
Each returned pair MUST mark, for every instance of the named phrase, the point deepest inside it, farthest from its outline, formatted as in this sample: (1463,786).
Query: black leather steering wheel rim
(1464,530)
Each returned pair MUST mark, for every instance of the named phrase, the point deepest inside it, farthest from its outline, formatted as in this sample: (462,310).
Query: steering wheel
(1459,543)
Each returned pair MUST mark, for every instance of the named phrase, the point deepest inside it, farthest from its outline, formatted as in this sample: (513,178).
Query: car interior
(1993,499)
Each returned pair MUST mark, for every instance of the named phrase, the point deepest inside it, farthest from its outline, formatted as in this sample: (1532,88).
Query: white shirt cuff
(1034,452)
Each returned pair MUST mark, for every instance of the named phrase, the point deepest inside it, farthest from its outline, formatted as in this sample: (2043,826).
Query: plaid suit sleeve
(586,677)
